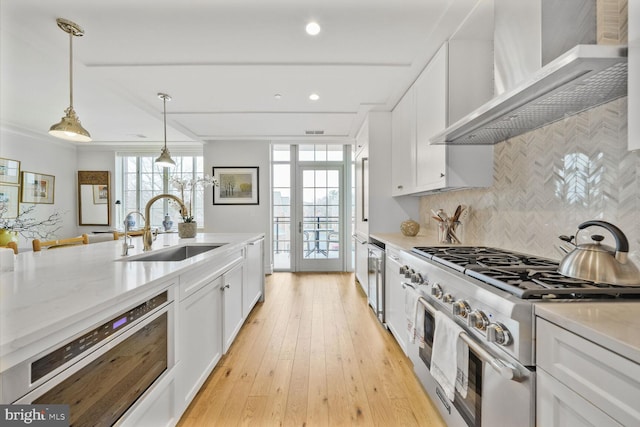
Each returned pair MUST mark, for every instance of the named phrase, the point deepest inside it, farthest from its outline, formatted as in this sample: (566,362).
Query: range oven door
(101,387)
(492,399)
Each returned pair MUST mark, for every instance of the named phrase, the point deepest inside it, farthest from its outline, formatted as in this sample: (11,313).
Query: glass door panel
(319,229)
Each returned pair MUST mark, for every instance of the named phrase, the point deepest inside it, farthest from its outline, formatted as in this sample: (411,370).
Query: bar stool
(50,244)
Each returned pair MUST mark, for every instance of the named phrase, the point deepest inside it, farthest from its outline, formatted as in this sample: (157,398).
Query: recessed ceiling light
(277,96)
(313,28)
(314,97)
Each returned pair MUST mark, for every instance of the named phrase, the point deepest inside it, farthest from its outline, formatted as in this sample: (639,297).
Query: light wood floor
(312,354)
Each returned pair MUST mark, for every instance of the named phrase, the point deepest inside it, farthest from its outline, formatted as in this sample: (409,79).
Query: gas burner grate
(546,284)
(524,276)
(463,257)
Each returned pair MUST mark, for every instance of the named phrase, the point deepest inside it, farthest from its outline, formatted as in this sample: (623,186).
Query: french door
(319,213)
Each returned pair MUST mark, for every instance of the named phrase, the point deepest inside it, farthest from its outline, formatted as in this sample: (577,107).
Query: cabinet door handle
(225,287)
(441,175)
(400,187)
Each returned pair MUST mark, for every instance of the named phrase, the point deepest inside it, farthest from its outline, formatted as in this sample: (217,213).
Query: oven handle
(506,370)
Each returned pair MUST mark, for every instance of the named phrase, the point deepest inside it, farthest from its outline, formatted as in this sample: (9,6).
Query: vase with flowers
(27,225)
(188,226)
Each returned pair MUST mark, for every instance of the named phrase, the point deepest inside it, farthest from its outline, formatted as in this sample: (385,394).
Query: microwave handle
(506,370)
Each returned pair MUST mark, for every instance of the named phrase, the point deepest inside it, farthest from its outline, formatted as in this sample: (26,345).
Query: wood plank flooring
(312,354)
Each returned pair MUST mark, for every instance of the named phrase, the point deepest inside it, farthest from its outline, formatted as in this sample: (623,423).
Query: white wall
(240,218)
(47,155)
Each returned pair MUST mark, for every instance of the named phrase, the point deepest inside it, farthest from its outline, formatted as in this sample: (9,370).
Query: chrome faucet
(147,236)
(126,246)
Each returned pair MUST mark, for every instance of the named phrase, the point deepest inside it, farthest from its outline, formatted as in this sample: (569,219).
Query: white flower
(190,185)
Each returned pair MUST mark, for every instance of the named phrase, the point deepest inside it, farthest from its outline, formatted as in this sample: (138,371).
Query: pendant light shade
(69,127)
(165,159)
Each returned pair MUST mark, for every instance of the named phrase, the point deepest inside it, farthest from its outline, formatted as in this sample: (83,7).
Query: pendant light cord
(164,103)
(71,69)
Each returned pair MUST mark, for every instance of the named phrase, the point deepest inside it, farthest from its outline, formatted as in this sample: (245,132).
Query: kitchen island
(55,296)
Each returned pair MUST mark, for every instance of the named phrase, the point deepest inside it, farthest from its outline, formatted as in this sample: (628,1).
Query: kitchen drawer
(393,252)
(602,377)
(557,405)
(194,279)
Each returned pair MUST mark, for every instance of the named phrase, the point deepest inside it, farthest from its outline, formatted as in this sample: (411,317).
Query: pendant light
(165,159)
(69,127)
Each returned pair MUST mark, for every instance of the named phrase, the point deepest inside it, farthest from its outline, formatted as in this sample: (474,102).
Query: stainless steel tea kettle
(599,263)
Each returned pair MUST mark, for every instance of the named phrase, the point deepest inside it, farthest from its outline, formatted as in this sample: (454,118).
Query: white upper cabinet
(431,117)
(457,79)
(403,137)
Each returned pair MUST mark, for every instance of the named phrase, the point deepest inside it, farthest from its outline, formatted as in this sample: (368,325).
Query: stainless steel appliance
(600,263)
(491,294)
(375,285)
(101,373)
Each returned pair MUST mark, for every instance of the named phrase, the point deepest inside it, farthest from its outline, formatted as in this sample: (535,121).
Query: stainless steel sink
(174,254)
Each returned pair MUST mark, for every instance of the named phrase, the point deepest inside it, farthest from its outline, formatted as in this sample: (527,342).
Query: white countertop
(405,242)
(612,325)
(60,291)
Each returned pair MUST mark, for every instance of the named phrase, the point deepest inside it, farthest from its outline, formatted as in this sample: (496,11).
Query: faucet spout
(126,245)
(147,237)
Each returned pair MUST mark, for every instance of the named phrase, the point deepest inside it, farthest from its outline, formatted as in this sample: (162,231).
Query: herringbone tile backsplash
(548,181)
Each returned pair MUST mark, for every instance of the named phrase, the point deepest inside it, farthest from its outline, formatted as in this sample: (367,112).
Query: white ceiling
(222,61)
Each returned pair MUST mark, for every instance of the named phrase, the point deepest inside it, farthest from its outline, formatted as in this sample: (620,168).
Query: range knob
(417,279)
(409,272)
(461,308)
(403,269)
(498,333)
(436,290)
(447,298)
(477,319)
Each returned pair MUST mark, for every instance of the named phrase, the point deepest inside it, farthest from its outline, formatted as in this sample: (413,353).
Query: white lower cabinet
(232,319)
(200,341)
(581,383)
(362,261)
(254,284)
(214,299)
(394,298)
(558,405)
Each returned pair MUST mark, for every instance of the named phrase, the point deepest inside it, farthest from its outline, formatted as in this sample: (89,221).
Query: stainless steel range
(491,294)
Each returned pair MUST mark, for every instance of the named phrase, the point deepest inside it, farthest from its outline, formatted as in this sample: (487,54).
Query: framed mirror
(94,198)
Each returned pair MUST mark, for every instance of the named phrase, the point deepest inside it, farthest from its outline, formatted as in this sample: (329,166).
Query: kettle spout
(568,239)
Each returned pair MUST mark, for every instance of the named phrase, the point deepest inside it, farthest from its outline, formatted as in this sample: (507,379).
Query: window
(320,153)
(140,179)
(281,170)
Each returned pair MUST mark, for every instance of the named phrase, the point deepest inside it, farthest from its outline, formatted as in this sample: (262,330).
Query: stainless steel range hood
(583,78)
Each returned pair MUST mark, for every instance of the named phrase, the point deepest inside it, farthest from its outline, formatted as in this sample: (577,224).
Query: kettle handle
(622,244)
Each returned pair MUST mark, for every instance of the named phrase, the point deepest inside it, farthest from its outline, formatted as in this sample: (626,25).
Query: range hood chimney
(534,86)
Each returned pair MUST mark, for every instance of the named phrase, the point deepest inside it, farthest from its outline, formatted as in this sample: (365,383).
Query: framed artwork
(9,200)
(100,194)
(9,171)
(37,188)
(236,186)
